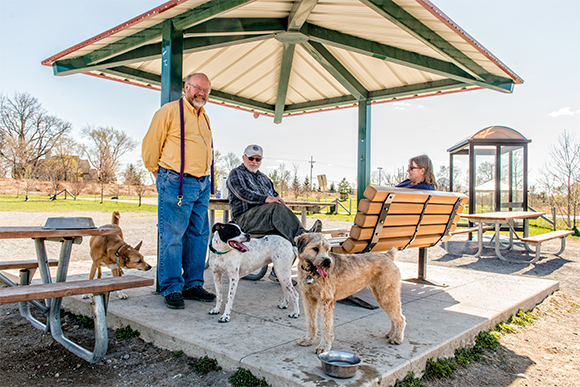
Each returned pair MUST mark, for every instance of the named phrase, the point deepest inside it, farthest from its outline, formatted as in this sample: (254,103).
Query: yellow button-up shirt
(162,146)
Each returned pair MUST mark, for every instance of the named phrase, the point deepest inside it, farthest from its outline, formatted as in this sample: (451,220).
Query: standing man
(256,206)
(182,200)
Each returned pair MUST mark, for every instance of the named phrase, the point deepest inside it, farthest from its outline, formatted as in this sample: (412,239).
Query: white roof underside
(252,70)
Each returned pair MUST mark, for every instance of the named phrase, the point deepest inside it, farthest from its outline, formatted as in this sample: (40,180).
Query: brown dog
(325,277)
(113,252)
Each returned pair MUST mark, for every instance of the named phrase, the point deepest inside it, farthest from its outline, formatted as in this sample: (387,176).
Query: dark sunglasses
(258,159)
(410,168)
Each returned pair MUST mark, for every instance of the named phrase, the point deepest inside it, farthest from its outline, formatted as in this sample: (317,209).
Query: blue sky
(538,39)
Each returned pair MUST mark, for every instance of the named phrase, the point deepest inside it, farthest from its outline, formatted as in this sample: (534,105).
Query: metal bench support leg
(101,334)
(422,271)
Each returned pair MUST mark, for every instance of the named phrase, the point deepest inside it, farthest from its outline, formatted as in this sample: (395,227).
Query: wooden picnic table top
(42,232)
(503,215)
(218,203)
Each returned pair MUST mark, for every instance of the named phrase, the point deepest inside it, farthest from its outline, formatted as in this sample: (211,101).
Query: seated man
(256,206)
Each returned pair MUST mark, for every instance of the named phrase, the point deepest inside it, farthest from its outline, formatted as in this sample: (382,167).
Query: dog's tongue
(239,246)
(321,272)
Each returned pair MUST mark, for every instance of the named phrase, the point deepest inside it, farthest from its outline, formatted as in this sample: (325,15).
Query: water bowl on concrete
(339,364)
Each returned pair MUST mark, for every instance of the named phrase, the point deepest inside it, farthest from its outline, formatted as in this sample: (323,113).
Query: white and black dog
(235,254)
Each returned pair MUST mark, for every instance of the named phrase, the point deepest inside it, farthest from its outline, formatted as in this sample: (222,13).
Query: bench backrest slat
(426,216)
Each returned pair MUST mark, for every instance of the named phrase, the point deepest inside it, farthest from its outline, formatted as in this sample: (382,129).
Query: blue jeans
(183,231)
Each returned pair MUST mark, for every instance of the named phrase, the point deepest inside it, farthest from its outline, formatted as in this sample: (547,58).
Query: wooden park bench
(537,240)
(402,218)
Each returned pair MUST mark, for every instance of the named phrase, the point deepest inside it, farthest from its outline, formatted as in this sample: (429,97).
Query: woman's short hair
(423,161)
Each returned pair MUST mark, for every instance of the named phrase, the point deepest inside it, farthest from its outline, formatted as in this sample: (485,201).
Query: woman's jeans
(183,231)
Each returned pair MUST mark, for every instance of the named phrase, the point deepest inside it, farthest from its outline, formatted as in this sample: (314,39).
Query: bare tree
(135,175)
(224,164)
(231,161)
(485,172)
(27,132)
(106,146)
(281,179)
(561,176)
(296,186)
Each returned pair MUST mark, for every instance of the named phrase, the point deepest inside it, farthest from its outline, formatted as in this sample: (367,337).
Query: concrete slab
(262,338)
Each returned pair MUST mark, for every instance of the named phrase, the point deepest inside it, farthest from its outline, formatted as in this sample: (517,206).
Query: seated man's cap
(253,150)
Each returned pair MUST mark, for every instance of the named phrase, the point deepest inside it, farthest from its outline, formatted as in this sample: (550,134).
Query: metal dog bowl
(69,223)
(339,364)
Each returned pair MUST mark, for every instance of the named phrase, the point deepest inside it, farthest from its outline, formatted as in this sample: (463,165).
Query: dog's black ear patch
(217,227)
(301,242)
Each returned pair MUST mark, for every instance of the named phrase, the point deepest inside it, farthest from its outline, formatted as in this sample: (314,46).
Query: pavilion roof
(284,57)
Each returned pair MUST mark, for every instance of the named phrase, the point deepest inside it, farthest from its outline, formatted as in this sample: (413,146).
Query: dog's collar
(117,255)
(213,250)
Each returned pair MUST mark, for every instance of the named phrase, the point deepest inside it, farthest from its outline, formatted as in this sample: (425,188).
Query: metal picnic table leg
(498,244)
(512,232)
(303,214)
(26,277)
(99,310)
(479,239)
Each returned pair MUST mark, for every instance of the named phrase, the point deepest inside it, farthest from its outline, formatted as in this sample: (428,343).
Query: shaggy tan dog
(325,277)
(113,252)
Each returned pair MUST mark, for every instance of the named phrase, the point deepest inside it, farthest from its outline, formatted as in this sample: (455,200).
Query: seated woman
(421,175)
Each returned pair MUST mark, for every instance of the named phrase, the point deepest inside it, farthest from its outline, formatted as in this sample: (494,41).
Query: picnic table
(295,205)
(498,219)
(48,295)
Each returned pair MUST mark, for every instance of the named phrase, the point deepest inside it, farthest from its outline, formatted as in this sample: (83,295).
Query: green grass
(85,322)
(126,333)
(409,381)
(440,368)
(44,204)
(244,378)
(205,365)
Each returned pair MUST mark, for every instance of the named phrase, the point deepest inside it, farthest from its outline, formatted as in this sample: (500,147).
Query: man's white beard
(253,170)
(197,104)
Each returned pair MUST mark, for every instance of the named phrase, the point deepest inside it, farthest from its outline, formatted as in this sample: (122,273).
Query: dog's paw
(86,296)
(394,339)
(294,315)
(122,295)
(322,348)
(224,319)
(214,311)
(305,342)
(283,305)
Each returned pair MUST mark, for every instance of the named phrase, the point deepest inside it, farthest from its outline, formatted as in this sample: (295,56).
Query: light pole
(311,168)
(380,169)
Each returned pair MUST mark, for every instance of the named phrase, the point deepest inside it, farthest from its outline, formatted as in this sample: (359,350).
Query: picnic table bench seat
(70,288)
(24,264)
(402,218)
(539,239)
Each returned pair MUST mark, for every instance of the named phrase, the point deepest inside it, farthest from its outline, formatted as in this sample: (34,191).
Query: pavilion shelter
(281,58)
(497,169)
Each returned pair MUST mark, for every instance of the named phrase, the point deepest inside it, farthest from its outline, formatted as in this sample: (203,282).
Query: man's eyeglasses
(257,159)
(206,91)
(410,168)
